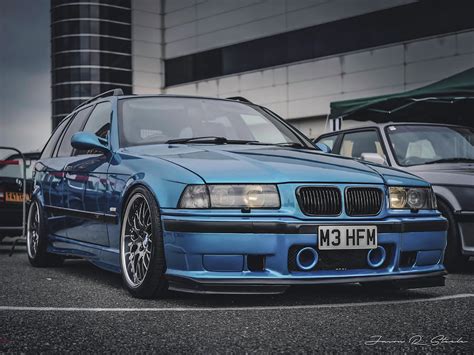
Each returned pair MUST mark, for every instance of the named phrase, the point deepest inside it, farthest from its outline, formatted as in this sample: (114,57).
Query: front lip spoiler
(187,226)
(275,286)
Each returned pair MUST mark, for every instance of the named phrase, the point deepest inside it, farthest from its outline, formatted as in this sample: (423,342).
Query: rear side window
(49,148)
(356,143)
(65,149)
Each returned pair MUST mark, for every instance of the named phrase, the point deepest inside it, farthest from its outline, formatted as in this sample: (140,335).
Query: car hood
(270,164)
(446,174)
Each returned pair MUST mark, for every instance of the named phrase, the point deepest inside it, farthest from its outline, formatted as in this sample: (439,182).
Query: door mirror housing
(323,147)
(374,158)
(88,141)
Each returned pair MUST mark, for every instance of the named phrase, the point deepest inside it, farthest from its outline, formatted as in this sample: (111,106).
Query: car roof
(231,99)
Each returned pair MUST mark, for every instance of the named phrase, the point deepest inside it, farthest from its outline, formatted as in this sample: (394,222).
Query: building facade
(293,56)
(91,51)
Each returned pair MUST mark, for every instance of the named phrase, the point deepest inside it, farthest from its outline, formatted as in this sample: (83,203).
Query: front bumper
(212,254)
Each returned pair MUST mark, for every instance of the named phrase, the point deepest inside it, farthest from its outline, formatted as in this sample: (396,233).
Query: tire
(142,256)
(453,258)
(37,238)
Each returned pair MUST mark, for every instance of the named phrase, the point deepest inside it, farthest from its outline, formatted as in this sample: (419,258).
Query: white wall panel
(174,5)
(314,88)
(431,48)
(145,19)
(216,23)
(188,89)
(280,108)
(295,90)
(147,5)
(149,80)
(314,69)
(180,17)
(229,84)
(146,64)
(207,88)
(146,46)
(241,16)
(436,69)
(267,94)
(373,79)
(145,90)
(147,49)
(329,11)
(373,59)
(465,42)
(181,47)
(306,89)
(215,7)
(183,31)
(146,34)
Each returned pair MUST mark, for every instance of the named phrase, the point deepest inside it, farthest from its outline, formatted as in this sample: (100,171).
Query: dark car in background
(441,154)
(11,192)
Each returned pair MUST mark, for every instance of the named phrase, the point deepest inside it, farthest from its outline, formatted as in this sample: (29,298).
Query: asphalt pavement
(80,308)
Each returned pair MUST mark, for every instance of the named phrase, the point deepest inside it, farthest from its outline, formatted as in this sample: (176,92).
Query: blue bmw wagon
(221,195)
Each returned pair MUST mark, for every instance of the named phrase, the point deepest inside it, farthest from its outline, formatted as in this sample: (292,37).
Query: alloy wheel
(136,240)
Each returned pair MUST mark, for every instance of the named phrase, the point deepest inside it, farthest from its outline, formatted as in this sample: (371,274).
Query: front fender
(448,197)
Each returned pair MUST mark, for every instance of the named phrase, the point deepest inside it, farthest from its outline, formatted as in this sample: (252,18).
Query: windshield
(416,145)
(152,120)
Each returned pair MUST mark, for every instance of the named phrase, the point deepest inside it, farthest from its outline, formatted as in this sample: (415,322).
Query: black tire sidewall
(42,258)
(154,283)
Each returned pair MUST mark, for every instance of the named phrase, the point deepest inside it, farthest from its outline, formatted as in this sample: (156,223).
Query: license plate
(14,197)
(347,237)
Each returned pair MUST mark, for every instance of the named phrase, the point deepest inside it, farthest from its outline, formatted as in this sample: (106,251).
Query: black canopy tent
(450,100)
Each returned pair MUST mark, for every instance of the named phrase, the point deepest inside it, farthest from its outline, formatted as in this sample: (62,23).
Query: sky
(25,79)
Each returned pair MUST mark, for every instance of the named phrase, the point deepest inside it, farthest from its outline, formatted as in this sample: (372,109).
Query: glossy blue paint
(87,141)
(100,183)
(184,253)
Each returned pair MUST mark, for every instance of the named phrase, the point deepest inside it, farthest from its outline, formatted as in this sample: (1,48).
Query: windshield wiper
(208,139)
(291,145)
(451,160)
(285,144)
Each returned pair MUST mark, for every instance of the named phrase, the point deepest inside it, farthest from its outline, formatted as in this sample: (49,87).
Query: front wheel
(141,246)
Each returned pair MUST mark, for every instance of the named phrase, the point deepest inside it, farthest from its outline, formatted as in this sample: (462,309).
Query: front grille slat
(363,201)
(319,200)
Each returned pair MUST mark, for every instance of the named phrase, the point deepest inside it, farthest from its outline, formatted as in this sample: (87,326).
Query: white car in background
(441,154)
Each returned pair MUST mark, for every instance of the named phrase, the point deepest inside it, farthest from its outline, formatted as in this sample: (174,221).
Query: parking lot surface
(80,308)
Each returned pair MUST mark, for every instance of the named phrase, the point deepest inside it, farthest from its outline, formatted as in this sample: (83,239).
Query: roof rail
(238,98)
(113,92)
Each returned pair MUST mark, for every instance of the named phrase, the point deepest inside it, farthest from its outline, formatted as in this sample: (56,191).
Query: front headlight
(413,198)
(230,196)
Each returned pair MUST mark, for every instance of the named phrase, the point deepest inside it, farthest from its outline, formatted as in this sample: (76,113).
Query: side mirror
(323,147)
(373,158)
(88,141)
